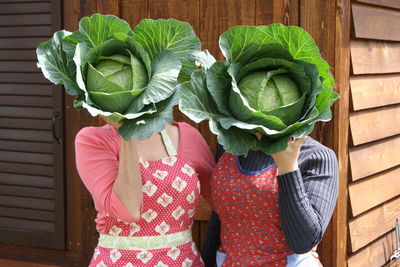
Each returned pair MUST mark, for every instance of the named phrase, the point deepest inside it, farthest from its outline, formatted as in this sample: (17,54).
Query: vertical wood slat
(338,241)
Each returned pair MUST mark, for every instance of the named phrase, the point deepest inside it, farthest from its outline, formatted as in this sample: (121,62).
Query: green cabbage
(123,74)
(273,82)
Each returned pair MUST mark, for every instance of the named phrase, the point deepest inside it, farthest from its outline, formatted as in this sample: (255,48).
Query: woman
(273,210)
(146,193)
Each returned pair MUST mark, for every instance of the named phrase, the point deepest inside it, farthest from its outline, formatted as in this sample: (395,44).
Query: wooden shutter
(31,156)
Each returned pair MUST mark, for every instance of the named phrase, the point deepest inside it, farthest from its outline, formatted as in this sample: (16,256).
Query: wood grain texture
(375,57)
(183,10)
(204,211)
(375,90)
(374,191)
(372,158)
(383,3)
(138,6)
(373,224)
(375,23)
(286,12)
(12,263)
(109,7)
(18,8)
(337,245)
(377,254)
(375,124)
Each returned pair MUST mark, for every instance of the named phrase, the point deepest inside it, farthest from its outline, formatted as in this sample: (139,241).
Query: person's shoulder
(312,147)
(99,133)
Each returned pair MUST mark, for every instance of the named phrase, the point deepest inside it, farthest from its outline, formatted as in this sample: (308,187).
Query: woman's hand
(287,159)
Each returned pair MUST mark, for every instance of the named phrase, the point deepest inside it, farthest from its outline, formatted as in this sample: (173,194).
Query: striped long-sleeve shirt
(307,198)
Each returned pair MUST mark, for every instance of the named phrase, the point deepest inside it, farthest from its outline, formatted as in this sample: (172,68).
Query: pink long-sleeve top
(97,155)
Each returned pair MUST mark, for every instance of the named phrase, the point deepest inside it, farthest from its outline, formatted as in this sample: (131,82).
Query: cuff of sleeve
(118,209)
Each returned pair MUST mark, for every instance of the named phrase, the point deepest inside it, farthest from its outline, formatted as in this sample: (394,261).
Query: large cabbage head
(123,74)
(273,82)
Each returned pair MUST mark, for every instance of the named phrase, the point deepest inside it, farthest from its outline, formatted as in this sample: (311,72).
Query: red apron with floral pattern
(162,236)
(247,206)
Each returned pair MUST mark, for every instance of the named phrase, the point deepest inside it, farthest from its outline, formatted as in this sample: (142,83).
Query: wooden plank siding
(377,254)
(374,124)
(327,21)
(370,57)
(374,187)
(382,3)
(374,90)
(374,191)
(375,23)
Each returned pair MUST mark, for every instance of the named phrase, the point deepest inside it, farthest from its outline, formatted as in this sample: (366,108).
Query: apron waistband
(145,242)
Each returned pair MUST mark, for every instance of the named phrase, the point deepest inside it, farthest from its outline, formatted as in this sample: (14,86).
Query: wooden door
(31,127)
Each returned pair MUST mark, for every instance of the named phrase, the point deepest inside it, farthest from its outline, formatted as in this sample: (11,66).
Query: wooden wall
(329,24)
(374,181)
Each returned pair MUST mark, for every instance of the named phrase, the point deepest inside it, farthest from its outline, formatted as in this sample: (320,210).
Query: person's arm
(212,241)
(97,161)
(128,184)
(307,198)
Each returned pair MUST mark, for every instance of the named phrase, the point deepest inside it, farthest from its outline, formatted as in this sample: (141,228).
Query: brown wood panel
(24,191)
(371,192)
(18,66)
(373,224)
(26,202)
(203,212)
(376,254)
(376,23)
(385,3)
(375,90)
(374,56)
(23,1)
(17,8)
(108,7)
(20,168)
(26,101)
(218,16)
(26,89)
(8,54)
(187,11)
(25,19)
(22,112)
(25,31)
(12,263)
(25,123)
(26,146)
(21,43)
(371,125)
(23,157)
(26,180)
(286,11)
(29,225)
(133,18)
(26,135)
(28,78)
(265,14)
(372,158)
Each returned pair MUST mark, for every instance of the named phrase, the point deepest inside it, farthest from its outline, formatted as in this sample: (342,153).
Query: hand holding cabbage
(125,75)
(273,82)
